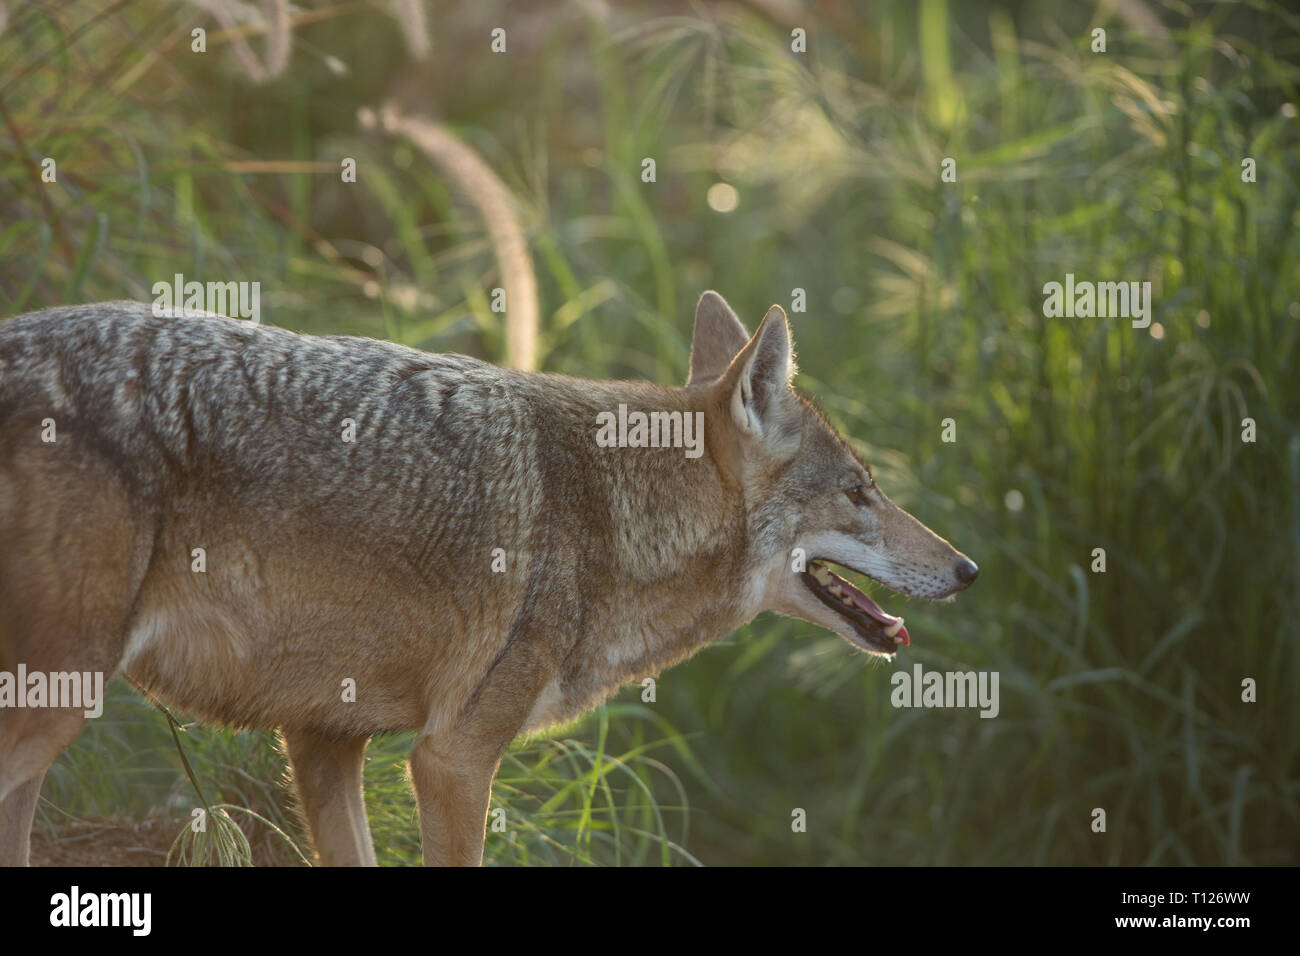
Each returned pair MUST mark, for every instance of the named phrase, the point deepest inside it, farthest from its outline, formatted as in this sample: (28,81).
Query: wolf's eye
(858,495)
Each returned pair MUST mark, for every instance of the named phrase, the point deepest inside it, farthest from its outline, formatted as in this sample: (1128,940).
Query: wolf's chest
(597,670)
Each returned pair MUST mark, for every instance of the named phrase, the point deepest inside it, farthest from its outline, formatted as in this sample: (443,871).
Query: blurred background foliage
(1120,690)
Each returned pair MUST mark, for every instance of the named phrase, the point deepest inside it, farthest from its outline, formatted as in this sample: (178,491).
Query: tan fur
(372,561)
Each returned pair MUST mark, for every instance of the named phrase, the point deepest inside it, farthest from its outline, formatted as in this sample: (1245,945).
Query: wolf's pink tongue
(871,607)
(877,613)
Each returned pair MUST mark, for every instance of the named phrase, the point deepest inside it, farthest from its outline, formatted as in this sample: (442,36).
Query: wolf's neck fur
(663,533)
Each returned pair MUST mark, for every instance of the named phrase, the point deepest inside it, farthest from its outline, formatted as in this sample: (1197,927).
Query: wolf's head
(809,500)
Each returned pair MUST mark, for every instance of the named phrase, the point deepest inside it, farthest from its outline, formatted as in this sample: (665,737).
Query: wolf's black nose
(967,570)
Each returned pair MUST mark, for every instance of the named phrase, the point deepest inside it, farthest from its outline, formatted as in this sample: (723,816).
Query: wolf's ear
(718,337)
(760,378)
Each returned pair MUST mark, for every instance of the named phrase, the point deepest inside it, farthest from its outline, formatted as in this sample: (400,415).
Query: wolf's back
(358,430)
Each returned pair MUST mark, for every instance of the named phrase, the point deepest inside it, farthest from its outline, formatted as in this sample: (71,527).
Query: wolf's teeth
(893,629)
(847,600)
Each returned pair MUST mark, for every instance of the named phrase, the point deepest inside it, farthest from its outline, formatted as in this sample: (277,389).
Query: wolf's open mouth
(875,630)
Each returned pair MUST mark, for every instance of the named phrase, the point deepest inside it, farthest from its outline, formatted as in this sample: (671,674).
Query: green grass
(1120,690)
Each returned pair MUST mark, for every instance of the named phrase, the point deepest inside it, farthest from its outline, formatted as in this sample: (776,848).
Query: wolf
(338,537)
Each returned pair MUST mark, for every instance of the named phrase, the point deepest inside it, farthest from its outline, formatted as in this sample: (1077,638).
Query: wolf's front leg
(452,788)
(452,769)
